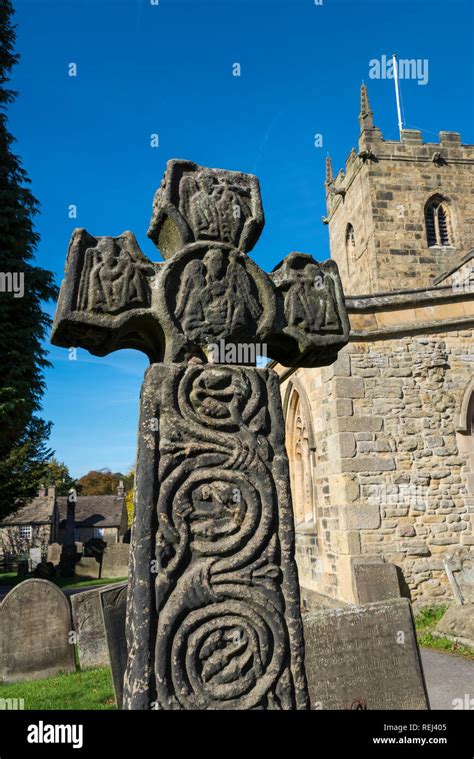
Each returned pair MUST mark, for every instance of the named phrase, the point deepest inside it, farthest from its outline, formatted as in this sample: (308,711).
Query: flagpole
(397,93)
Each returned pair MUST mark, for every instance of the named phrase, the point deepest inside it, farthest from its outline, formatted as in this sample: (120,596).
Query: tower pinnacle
(329,172)
(366,117)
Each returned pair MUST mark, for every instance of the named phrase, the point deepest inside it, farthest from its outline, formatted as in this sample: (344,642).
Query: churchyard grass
(426,621)
(90,689)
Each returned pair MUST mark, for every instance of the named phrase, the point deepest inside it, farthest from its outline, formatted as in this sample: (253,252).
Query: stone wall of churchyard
(12,542)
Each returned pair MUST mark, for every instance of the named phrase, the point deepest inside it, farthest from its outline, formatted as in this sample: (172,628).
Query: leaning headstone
(35,558)
(35,626)
(364,654)
(375,581)
(457,624)
(213,617)
(54,553)
(113,602)
(459,567)
(90,632)
(115,560)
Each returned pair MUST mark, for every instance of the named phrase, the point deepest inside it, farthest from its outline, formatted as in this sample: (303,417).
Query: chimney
(120,490)
(52,491)
(41,491)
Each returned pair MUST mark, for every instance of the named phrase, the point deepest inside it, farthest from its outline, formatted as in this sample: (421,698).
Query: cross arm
(105,302)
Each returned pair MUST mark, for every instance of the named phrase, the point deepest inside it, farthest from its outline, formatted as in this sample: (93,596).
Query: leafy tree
(57,472)
(99,482)
(130,507)
(129,479)
(23,323)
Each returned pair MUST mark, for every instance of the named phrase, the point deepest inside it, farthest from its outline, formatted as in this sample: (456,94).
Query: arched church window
(301,460)
(350,238)
(438,232)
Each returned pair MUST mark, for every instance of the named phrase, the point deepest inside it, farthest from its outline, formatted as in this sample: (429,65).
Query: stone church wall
(391,470)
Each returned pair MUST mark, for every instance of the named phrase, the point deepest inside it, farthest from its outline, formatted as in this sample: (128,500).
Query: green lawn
(426,621)
(90,689)
(11,579)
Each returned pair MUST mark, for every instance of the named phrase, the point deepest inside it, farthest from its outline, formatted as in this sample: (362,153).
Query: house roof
(37,511)
(94,510)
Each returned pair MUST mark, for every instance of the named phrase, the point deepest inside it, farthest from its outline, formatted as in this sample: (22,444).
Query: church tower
(402,212)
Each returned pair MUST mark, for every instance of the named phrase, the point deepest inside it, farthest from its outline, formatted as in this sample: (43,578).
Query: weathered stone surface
(35,558)
(375,582)
(35,622)
(113,601)
(89,626)
(196,203)
(310,310)
(87,567)
(54,553)
(364,653)
(208,296)
(458,624)
(226,595)
(365,517)
(219,625)
(115,560)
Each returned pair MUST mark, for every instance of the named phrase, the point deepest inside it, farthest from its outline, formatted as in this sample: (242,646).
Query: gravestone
(35,558)
(457,624)
(35,623)
(459,567)
(213,615)
(364,654)
(89,626)
(88,568)
(54,553)
(113,602)
(115,560)
(375,581)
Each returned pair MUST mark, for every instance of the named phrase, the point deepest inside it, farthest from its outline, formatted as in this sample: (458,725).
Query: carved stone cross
(213,618)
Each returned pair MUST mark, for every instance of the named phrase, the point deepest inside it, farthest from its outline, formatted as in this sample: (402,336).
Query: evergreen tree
(23,323)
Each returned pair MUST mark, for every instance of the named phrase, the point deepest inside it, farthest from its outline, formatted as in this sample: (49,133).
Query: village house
(43,521)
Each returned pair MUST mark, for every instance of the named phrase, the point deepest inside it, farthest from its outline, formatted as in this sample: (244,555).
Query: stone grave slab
(54,553)
(35,623)
(457,624)
(364,653)
(115,560)
(375,581)
(35,558)
(113,602)
(89,626)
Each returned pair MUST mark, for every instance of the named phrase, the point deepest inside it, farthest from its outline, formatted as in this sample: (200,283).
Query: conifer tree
(23,323)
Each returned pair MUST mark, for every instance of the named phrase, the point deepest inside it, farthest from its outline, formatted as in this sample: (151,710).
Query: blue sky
(167,69)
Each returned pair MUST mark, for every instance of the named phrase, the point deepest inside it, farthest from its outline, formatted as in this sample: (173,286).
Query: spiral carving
(226,596)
